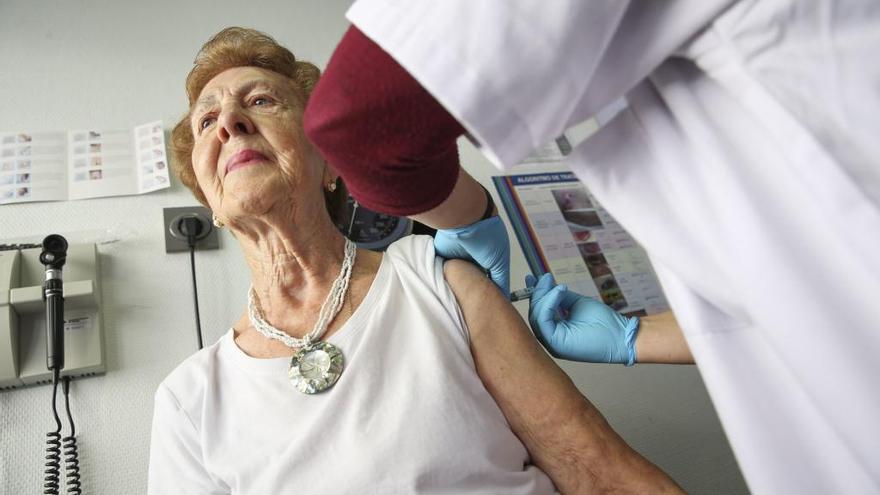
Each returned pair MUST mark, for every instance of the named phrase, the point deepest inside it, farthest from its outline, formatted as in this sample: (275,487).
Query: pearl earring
(216,221)
(331,186)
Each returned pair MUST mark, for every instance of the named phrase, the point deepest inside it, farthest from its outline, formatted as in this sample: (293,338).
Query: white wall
(114,64)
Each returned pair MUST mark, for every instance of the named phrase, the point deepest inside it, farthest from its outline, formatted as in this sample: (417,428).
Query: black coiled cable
(71,455)
(52,478)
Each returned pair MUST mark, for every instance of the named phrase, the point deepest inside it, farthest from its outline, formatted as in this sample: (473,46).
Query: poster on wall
(562,229)
(81,164)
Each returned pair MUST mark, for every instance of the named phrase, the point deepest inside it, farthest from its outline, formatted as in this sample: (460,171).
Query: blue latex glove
(578,328)
(484,242)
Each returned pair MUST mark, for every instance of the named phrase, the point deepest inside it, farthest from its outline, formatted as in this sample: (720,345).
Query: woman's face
(250,155)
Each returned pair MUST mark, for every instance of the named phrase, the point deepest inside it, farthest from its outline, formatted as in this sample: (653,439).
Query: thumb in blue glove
(484,242)
(578,328)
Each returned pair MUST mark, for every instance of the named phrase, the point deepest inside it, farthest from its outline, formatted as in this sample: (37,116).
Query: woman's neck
(292,269)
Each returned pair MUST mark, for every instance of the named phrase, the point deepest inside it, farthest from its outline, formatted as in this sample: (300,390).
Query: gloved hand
(484,242)
(578,328)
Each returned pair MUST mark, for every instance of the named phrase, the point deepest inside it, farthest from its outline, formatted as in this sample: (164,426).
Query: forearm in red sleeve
(389,139)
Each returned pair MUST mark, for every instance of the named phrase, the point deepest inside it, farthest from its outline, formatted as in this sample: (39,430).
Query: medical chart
(80,164)
(563,229)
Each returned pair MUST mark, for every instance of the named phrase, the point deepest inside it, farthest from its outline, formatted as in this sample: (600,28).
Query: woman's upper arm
(565,435)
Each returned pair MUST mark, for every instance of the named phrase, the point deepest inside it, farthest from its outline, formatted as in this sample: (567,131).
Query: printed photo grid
(63,165)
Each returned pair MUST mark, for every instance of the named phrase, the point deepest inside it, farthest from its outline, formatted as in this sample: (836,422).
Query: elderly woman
(352,371)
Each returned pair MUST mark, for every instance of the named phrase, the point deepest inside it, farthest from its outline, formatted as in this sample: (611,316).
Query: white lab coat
(747,164)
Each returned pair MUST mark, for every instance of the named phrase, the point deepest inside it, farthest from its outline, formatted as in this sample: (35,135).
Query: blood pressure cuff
(389,139)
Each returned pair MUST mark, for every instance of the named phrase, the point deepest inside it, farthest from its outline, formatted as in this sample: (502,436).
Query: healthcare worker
(747,163)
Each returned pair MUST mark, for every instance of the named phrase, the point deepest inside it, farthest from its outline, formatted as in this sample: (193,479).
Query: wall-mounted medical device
(23,340)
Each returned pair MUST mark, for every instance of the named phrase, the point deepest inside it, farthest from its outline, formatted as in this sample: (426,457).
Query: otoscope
(53,257)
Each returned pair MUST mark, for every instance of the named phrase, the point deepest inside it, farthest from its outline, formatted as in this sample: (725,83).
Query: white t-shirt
(408,415)
(747,164)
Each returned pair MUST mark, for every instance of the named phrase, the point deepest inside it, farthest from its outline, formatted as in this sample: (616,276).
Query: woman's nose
(233,122)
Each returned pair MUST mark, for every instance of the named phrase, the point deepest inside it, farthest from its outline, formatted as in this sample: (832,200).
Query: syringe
(519,295)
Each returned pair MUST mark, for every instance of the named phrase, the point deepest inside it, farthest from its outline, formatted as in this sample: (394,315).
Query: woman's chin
(258,197)
(251,191)
(244,206)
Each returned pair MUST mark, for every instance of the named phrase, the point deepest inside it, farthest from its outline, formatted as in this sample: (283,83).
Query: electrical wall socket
(172,218)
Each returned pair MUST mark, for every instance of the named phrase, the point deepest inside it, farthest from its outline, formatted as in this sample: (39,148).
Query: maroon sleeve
(390,140)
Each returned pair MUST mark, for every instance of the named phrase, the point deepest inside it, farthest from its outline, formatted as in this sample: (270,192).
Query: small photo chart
(80,164)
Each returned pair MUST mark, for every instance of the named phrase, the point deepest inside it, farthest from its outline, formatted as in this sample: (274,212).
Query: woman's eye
(260,101)
(205,122)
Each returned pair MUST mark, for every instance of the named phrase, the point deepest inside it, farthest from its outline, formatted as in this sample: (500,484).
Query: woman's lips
(242,159)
